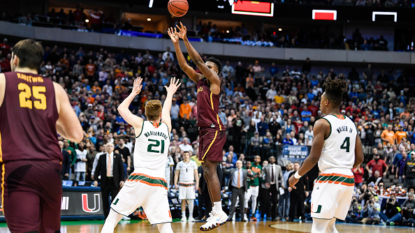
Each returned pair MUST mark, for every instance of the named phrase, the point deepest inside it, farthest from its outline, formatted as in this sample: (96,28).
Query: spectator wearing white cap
(89,112)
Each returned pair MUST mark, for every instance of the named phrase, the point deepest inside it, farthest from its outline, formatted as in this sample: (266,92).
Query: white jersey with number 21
(151,149)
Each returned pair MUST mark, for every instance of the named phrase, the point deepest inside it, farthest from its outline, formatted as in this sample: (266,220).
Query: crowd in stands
(311,37)
(262,108)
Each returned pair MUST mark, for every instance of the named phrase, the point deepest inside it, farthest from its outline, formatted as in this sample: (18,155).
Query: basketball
(178,8)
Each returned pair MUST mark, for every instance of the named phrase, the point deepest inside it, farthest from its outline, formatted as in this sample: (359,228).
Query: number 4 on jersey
(346,144)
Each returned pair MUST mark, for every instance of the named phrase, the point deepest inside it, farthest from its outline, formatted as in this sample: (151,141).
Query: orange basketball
(178,8)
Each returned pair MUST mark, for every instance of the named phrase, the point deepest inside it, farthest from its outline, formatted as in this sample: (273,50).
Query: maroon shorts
(31,197)
(211,143)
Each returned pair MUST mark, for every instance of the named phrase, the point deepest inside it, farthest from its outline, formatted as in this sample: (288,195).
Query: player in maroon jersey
(212,135)
(32,110)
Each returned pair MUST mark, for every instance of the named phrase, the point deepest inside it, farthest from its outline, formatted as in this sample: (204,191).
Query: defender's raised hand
(137,85)
(173,35)
(182,33)
(174,85)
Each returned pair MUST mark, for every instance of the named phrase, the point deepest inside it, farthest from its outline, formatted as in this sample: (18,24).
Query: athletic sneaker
(245,217)
(191,219)
(214,221)
(253,218)
(183,219)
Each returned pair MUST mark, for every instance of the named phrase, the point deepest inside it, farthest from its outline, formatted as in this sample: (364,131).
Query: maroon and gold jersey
(28,118)
(207,107)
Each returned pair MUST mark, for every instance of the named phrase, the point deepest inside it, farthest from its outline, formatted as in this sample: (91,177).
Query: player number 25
(26,93)
(155,143)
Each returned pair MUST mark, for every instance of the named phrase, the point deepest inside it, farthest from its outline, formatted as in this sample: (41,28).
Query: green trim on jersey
(330,128)
(142,127)
(339,179)
(147,179)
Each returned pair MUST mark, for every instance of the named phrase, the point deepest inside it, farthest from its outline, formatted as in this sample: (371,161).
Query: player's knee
(207,173)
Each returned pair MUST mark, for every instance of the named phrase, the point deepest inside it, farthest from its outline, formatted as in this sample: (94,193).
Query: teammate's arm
(125,112)
(68,124)
(176,176)
(196,179)
(321,130)
(358,153)
(165,113)
(180,58)
(209,74)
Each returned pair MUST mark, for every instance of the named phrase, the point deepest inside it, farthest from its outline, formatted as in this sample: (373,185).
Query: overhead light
(148,19)
(150,4)
(279,29)
(86,20)
(227,31)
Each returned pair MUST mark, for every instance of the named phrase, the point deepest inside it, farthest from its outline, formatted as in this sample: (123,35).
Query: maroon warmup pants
(31,195)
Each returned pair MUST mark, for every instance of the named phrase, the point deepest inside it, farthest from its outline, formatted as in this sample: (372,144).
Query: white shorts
(252,191)
(187,191)
(148,192)
(331,196)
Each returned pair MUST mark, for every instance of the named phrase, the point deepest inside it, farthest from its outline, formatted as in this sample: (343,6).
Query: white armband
(297,176)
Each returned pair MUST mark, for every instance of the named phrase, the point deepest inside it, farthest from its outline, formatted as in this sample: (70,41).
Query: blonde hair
(153,109)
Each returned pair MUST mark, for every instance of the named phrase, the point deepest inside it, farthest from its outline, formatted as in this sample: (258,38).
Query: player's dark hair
(217,63)
(334,89)
(30,53)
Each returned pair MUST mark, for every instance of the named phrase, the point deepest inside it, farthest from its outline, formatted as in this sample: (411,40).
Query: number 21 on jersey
(38,93)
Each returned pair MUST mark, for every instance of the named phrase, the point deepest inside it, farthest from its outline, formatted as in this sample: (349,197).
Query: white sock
(111,221)
(217,207)
(184,214)
(191,206)
(165,228)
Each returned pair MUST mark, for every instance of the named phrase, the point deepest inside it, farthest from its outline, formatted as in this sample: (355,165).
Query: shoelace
(211,216)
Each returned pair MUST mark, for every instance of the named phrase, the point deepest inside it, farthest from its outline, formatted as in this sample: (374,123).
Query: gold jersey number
(26,93)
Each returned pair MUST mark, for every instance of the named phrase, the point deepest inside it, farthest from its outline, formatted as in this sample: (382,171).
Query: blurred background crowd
(263,106)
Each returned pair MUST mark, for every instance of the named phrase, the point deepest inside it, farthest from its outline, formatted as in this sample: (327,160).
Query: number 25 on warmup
(38,93)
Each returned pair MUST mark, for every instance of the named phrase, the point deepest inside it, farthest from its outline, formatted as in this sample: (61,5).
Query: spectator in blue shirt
(305,115)
(119,119)
(314,82)
(273,70)
(287,140)
(262,127)
(310,96)
(402,98)
(231,151)
(165,79)
(365,46)
(354,95)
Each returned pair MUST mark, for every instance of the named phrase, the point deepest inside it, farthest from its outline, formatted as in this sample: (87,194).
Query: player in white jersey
(146,186)
(188,177)
(337,149)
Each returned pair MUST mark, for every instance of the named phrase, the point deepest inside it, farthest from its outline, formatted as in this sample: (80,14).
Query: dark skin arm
(180,58)
(321,131)
(358,153)
(204,68)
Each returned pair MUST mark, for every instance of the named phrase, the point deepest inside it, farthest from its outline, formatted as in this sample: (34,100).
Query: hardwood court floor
(237,227)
